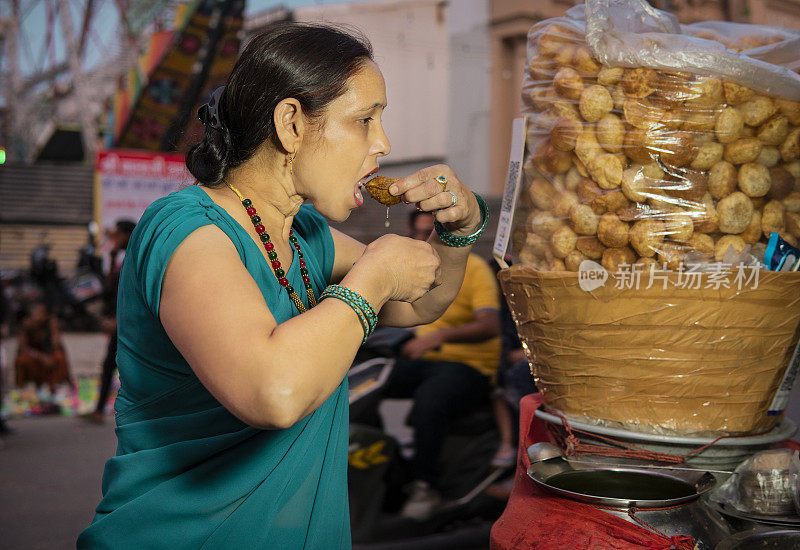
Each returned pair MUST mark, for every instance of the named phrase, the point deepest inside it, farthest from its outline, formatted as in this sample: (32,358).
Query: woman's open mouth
(357,193)
(366,178)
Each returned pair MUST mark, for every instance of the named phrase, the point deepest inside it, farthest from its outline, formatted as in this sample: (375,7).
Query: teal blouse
(187,473)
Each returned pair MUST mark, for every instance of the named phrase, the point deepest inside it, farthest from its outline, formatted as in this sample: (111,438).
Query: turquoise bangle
(359,301)
(362,308)
(458,241)
(361,318)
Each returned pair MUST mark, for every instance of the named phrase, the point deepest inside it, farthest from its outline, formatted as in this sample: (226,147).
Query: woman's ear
(289,124)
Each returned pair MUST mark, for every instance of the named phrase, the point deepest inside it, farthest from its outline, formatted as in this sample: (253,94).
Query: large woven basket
(674,360)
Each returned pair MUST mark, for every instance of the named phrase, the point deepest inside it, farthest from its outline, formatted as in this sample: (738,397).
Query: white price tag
(511,192)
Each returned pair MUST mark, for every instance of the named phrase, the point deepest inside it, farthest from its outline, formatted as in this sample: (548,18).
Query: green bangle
(362,308)
(458,241)
(361,317)
(353,296)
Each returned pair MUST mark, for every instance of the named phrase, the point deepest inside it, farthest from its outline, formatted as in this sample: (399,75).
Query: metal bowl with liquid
(669,500)
(621,486)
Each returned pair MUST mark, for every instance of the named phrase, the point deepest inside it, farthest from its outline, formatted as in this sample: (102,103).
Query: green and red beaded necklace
(280,274)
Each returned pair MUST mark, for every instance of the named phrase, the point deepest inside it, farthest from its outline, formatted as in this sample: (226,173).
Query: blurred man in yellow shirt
(447,368)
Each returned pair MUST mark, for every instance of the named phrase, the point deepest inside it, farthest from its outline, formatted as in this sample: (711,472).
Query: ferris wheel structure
(61,62)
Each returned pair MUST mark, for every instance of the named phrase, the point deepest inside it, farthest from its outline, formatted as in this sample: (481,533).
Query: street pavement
(50,471)
(51,467)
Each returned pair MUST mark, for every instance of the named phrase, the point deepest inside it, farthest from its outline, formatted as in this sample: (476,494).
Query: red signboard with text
(127,181)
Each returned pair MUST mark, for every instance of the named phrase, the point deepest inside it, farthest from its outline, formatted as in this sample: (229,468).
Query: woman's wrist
(465,230)
(371,288)
(360,306)
(463,239)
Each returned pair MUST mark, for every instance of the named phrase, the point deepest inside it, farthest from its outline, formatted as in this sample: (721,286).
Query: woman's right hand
(408,268)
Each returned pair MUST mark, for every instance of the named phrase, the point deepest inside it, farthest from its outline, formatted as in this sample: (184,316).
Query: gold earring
(290,158)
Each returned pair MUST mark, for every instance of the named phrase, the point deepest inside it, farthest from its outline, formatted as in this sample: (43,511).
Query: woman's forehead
(366,91)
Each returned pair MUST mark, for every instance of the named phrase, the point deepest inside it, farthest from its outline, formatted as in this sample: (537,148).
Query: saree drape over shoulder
(187,473)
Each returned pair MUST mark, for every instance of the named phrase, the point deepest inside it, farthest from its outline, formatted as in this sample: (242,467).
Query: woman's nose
(382,147)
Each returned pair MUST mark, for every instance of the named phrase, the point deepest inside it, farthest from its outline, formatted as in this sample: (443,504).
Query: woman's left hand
(450,201)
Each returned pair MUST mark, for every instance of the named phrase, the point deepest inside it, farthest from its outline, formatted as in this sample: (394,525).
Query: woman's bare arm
(269,375)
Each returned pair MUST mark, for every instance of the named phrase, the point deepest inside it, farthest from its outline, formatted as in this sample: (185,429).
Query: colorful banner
(220,67)
(161,86)
(126,182)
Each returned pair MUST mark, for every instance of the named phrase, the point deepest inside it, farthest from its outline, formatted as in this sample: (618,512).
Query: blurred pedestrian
(4,313)
(447,368)
(40,352)
(119,237)
(44,272)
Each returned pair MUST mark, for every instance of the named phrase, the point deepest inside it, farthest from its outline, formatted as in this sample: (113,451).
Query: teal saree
(187,473)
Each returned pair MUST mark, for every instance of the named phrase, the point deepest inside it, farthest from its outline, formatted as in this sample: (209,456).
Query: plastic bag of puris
(655,143)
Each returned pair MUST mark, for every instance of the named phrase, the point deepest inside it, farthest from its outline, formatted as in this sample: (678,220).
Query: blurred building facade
(50,105)
(44,203)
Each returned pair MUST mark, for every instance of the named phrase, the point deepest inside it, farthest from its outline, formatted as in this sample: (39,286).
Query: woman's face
(333,161)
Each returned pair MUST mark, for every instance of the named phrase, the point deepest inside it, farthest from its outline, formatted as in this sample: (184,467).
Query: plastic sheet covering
(625,33)
(765,484)
(653,143)
(795,469)
(659,355)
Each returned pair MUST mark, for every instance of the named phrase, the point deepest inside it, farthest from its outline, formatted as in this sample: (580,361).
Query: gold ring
(441,180)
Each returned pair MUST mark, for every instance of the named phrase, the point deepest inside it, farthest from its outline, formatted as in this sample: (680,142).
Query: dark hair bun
(208,160)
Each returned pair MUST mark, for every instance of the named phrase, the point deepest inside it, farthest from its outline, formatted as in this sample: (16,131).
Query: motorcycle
(378,469)
(75,301)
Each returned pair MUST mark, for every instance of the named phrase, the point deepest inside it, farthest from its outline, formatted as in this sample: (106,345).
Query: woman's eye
(366,120)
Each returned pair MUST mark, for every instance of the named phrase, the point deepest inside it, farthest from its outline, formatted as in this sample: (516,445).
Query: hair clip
(209,112)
